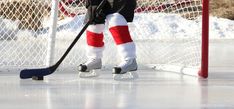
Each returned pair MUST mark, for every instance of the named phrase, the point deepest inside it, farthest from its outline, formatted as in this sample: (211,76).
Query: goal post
(170,35)
(205,40)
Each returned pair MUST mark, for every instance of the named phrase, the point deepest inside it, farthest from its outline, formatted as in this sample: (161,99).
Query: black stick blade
(29,73)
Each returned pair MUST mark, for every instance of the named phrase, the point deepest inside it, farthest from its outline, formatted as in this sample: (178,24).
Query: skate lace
(89,61)
(125,62)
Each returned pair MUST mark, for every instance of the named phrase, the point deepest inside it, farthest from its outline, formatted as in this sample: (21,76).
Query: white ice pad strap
(94,52)
(116,19)
(192,71)
(98,28)
(127,50)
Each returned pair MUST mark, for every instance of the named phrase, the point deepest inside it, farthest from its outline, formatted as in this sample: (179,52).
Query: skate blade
(127,76)
(90,74)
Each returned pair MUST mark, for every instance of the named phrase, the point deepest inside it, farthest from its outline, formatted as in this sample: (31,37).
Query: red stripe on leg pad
(94,39)
(121,34)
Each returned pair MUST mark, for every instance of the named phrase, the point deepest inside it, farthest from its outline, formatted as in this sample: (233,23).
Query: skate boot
(90,68)
(126,70)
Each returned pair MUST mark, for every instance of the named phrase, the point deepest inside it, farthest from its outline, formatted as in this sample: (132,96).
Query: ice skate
(90,68)
(126,70)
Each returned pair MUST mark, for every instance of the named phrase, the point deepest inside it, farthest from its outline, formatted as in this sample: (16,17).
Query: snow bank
(144,26)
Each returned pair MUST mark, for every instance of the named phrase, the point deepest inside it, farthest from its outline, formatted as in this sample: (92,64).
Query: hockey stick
(41,72)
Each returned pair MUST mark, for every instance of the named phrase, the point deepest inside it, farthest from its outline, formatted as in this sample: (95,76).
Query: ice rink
(153,90)
(36,33)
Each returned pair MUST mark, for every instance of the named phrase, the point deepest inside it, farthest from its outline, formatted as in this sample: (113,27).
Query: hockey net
(168,34)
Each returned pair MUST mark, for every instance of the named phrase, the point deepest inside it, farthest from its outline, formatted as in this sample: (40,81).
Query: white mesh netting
(165,32)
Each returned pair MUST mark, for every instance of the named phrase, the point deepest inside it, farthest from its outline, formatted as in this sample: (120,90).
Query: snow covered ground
(157,24)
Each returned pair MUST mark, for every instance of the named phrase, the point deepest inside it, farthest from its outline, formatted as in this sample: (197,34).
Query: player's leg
(94,37)
(94,51)
(125,45)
